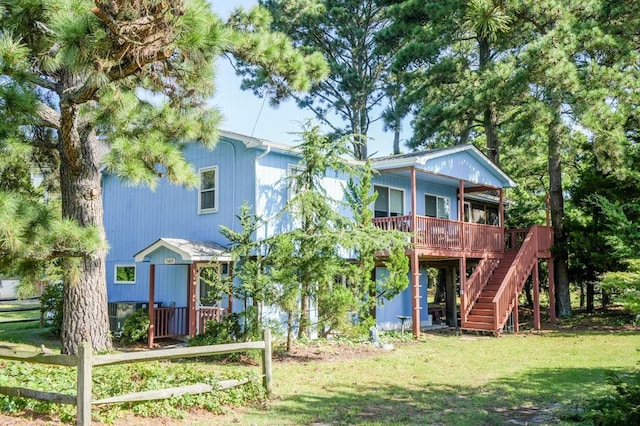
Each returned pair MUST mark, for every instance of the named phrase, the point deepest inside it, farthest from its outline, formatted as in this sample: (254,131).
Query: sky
(245,113)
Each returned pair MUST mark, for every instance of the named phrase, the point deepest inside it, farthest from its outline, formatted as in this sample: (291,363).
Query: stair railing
(475,284)
(506,297)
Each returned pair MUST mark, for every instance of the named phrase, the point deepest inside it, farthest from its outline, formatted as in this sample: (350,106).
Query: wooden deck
(442,237)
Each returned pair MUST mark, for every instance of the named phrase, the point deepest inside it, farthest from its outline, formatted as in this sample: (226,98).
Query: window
(208,197)
(125,274)
(390,201)
(481,213)
(436,206)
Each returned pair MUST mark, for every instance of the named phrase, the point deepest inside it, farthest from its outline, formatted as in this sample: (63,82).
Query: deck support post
(552,291)
(536,297)
(415,282)
(516,317)
(452,297)
(463,289)
(152,312)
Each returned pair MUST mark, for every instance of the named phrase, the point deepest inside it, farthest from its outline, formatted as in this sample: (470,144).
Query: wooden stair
(481,316)
(491,292)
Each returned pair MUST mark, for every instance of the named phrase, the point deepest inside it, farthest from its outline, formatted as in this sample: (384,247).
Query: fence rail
(10,310)
(86,361)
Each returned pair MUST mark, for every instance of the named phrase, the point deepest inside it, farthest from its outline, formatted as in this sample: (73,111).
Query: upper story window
(436,206)
(125,274)
(390,201)
(208,197)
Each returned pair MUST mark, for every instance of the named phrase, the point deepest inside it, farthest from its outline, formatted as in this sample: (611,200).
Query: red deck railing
(475,284)
(444,234)
(507,295)
(172,321)
(207,314)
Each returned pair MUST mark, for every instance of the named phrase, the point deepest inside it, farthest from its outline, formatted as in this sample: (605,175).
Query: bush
(51,306)
(136,328)
(622,407)
(236,327)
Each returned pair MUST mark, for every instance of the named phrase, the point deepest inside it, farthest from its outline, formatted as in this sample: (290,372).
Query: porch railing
(207,314)
(475,284)
(444,234)
(170,322)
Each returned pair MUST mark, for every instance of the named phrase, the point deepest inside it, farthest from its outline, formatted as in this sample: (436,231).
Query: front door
(211,286)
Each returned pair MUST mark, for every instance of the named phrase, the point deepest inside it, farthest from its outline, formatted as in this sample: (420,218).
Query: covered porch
(188,260)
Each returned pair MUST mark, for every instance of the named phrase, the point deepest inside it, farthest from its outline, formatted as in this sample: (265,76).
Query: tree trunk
(590,294)
(556,201)
(396,139)
(85,316)
(490,122)
(528,287)
(303,326)
(441,283)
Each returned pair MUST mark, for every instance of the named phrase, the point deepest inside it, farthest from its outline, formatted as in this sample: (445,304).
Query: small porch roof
(188,251)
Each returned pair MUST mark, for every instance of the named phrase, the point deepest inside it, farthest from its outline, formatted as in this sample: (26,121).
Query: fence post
(83,408)
(266,362)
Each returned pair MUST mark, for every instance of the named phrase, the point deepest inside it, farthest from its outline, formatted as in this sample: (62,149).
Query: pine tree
(343,33)
(130,76)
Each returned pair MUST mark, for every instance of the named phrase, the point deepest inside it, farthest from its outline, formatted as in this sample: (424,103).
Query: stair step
(480,305)
(468,325)
(480,319)
(481,312)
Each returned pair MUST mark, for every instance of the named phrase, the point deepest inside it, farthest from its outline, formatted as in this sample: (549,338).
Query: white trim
(216,190)
(124,265)
(444,197)
(181,247)
(421,159)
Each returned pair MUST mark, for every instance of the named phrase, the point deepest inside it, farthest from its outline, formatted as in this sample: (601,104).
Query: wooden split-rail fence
(85,361)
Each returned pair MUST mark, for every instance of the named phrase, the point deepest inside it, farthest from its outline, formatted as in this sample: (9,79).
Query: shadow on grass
(536,397)
(28,334)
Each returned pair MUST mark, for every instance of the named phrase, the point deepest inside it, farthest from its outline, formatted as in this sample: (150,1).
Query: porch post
(231,293)
(414,202)
(536,297)
(152,311)
(191,302)
(461,215)
(552,292)
(501,214)
(415,274)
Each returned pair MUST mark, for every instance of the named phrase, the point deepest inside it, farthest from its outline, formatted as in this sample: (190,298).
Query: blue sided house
(166,244)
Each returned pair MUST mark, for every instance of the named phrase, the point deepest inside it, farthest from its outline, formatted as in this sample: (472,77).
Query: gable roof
(188,250)
(422,161)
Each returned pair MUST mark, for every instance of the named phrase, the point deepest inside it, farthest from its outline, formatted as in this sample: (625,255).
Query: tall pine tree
(130,75)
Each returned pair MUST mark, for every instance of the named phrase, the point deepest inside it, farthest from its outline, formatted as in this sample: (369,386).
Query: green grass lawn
(441,379)
(453,380)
